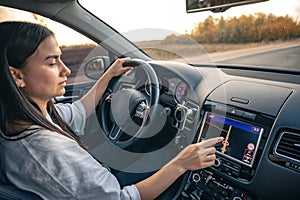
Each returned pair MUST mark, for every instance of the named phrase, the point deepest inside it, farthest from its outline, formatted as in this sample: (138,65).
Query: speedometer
(180,91)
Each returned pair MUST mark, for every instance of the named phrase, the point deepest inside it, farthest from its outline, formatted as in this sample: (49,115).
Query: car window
(263,34)
(77,49)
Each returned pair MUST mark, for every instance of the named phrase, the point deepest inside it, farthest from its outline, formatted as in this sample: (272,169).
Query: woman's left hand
(91,98)
(116,69)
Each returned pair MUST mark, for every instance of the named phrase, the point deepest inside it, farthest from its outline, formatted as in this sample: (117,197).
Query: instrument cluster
(171,87)
(169,84)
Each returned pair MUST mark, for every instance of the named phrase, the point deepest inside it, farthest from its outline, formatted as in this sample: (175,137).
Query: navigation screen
(240,142)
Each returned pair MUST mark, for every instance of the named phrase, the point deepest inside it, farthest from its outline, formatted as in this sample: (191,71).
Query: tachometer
(180,91)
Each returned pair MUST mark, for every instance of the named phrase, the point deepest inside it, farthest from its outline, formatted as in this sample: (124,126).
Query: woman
(40,147)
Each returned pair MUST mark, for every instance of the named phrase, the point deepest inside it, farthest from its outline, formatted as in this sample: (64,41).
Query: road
(288,57)
(282,54)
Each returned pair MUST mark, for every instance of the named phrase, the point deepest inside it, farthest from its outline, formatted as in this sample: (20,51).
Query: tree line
(244,29)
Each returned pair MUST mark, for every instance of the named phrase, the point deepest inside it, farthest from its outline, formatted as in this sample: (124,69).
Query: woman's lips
(63,82)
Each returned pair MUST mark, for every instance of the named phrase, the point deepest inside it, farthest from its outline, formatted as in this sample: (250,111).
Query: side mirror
(96,66)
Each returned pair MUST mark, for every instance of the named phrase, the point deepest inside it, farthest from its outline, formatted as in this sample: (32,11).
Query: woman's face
(44,74)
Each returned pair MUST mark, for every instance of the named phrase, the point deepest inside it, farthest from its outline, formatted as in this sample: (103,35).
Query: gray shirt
(56,167)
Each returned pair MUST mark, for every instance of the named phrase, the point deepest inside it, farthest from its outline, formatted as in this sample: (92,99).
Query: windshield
(262,34)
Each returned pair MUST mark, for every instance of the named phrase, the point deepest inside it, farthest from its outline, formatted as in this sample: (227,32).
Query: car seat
(9,192)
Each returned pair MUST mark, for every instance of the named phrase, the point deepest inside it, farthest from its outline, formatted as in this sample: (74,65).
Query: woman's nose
(65,70)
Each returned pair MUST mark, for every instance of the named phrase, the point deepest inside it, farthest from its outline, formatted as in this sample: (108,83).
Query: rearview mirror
(215,5)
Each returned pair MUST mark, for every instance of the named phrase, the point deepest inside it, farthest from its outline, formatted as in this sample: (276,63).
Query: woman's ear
(18,77)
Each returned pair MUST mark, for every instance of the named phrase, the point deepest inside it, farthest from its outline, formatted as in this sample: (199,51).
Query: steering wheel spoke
(115,133)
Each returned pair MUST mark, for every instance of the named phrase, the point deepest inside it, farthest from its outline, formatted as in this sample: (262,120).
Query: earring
(22,85)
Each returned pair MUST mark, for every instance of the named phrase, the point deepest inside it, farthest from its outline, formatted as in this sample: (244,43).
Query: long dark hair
(18,41)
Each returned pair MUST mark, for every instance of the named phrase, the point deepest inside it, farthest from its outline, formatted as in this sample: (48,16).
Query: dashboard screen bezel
(260,133)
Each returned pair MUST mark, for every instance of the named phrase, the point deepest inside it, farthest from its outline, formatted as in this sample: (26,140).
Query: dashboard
(259,119)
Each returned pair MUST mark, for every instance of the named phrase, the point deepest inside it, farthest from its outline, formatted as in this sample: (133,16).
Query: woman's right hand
(193,157)
(197,156)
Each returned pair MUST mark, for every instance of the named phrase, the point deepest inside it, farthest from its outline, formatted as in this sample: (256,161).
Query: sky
(142,19)
(154,19)
(171,14)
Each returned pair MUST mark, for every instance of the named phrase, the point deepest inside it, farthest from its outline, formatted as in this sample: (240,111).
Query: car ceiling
(48,8)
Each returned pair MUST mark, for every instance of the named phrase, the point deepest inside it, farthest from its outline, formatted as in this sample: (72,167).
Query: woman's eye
(52,64)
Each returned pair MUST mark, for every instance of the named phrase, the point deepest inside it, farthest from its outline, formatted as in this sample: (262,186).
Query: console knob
(218,162)
(196,177)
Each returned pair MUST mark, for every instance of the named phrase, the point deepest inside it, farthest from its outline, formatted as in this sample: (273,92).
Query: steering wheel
(125,110)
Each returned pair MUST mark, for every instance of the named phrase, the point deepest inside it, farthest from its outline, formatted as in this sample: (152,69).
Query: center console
(245,133)
(243,113)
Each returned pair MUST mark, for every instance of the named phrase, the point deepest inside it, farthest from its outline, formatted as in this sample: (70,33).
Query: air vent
(288,146)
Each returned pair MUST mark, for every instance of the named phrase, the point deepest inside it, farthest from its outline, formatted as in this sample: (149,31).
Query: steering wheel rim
(124,104)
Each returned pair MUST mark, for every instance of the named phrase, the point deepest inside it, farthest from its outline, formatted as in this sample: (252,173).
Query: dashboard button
(217,162)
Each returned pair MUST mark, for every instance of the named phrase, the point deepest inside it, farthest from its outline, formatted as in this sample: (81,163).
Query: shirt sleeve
(62,170)
(74,115)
